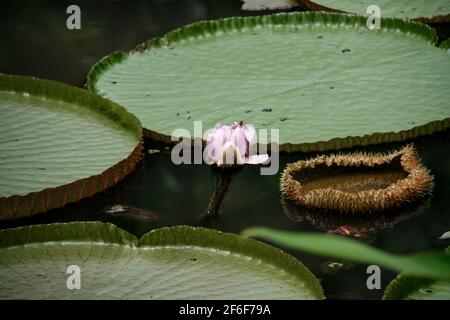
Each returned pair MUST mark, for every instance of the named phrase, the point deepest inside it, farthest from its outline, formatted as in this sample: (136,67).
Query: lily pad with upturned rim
(430,11)
(255,5)
(413,288)
(446,45)
(168,263)
(59,144)
(340,84)
(406,287)
(357,183)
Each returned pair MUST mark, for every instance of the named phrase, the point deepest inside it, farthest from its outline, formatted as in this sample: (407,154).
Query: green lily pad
(323,79)
(412,288)
(59,144)
(446,45)
(255,5)
(426,11)
(169,263)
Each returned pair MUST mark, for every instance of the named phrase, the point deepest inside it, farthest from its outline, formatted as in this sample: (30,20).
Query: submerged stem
(217,197)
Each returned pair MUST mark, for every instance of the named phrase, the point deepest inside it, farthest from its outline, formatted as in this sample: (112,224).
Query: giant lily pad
(323,79)
(446,45)
(405,287)
(413,288)
(59,144)
(254,5)
(169,263)
(425,11)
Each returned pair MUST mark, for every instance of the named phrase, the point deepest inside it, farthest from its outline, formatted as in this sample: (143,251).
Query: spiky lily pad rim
(204,29)
(98,232)
(16,206)
(318,7)
(416,185)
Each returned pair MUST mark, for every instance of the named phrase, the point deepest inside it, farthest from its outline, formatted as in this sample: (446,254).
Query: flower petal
(257,159)
(250,132)
(229,156)
(214,147)
(240,141)
(209,136)
(227,131)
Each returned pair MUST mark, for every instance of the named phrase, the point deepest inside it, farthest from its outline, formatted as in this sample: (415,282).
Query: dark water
(34,41)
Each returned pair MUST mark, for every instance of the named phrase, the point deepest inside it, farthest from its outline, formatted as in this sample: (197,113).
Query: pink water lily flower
(230,145)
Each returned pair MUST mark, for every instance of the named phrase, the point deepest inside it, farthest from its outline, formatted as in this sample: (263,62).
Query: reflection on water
(35,41)
(361,226)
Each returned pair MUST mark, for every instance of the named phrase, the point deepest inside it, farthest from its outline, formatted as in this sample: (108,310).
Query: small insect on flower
(228,146)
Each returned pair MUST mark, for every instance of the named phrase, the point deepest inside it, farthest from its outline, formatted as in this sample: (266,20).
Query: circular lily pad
(323,79)
(411,288)
(59,144)
(358,183)
(169,263)
(255,5)
(446,45)
(425,11)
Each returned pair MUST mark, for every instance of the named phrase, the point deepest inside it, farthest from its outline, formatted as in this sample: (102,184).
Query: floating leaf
(358,182)
(341,84)
(255,5)
(431,265)
(59,144)
(168,263)
(446,45)
(412,288)
(426,11)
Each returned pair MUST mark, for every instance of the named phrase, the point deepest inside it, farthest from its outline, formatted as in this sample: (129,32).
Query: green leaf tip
(429,265)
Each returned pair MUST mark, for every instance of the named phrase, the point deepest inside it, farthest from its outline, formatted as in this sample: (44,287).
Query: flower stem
(217,197)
